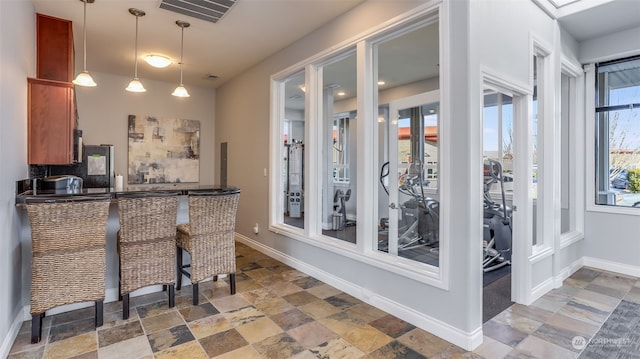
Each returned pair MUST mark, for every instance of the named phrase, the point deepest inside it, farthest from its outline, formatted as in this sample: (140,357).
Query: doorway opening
(497,236)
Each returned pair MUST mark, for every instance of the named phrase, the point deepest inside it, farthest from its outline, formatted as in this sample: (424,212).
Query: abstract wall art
(163,150)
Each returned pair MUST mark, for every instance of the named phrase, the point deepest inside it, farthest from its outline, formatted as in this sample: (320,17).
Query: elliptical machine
(419,219)
(497,232)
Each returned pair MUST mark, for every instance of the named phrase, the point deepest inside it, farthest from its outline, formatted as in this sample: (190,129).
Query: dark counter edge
(23,196)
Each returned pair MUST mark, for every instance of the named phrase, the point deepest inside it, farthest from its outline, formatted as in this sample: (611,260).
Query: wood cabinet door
(51,121)
(54,57)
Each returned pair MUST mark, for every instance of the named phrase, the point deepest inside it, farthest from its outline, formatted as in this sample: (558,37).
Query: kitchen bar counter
(113,225)
(182,189)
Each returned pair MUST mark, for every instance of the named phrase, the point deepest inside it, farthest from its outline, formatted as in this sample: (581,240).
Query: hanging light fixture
(135,85)
(180,91)
(159,61)
(83,78)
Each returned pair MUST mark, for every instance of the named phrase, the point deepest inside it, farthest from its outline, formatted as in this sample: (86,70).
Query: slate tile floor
(280,313)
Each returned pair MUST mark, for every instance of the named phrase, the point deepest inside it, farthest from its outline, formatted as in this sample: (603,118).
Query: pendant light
(83,78)
(180,91)
(135,85)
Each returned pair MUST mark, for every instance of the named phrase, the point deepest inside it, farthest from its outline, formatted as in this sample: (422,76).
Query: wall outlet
(256,229)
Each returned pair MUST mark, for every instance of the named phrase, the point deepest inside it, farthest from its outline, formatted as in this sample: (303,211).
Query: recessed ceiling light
(341,93)
(159,61)
(380,83)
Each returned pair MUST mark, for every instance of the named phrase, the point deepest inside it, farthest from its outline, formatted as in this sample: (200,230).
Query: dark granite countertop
(60,195)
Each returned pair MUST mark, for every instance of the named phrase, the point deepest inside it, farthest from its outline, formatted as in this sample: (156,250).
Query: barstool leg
(125,306)
(36,327)
(232,282)
(179,267)
(172,295)
(99,312)
(119,276)
(195,293)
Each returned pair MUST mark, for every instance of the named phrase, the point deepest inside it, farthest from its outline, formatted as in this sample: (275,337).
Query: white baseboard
(612,266)
(463,339)
(568,272)
(541,289)
(12,334)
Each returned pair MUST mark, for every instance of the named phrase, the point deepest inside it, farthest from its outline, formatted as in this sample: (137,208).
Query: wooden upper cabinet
(50,122)
(54,58)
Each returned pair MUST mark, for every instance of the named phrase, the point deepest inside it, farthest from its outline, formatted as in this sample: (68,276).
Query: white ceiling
(587,19)
(251,31)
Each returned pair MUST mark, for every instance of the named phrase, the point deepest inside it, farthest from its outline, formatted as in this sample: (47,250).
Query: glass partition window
(618,133)
(292,151)
(338,100)
(536,143)
(566,208)
(335,144)
(408,147)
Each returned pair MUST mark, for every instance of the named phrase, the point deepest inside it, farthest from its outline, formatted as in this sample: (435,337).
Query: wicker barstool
(209,238)
(68,236)
(147,242)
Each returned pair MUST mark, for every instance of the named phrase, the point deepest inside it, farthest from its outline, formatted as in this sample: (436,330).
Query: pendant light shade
(83,78)
(181,91)
(135,85)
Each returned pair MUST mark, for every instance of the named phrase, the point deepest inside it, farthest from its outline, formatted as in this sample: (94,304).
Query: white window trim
(576,153)
(545,214)
(311,234)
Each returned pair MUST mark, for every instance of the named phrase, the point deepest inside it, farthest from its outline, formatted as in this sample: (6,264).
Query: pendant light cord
(135,69)
(84,35)
(181,52)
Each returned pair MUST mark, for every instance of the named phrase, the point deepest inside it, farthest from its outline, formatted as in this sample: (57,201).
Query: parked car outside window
(620,181)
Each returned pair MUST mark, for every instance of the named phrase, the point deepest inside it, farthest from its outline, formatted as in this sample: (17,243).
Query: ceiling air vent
(208,10)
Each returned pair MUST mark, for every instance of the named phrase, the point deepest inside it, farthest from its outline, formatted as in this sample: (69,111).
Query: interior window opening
(536,147)
(292,151)
(409,146)
(339,159)
(566,208)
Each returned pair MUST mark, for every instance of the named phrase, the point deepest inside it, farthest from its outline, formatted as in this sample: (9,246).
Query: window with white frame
(571,141)
(404,65)
(617,129)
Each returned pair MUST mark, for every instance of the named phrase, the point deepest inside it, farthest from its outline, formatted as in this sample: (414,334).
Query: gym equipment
(419,216)
(295,172)
(497,231)
(339,210)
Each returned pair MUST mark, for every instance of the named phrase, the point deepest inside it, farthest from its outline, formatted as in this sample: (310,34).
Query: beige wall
(103,112)
(17,62)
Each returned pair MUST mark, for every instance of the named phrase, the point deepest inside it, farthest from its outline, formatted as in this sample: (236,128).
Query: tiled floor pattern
(281,313)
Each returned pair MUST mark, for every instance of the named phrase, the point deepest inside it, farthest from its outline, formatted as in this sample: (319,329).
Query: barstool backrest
(147,215)
(66,223)
(68,236)
(212,212)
